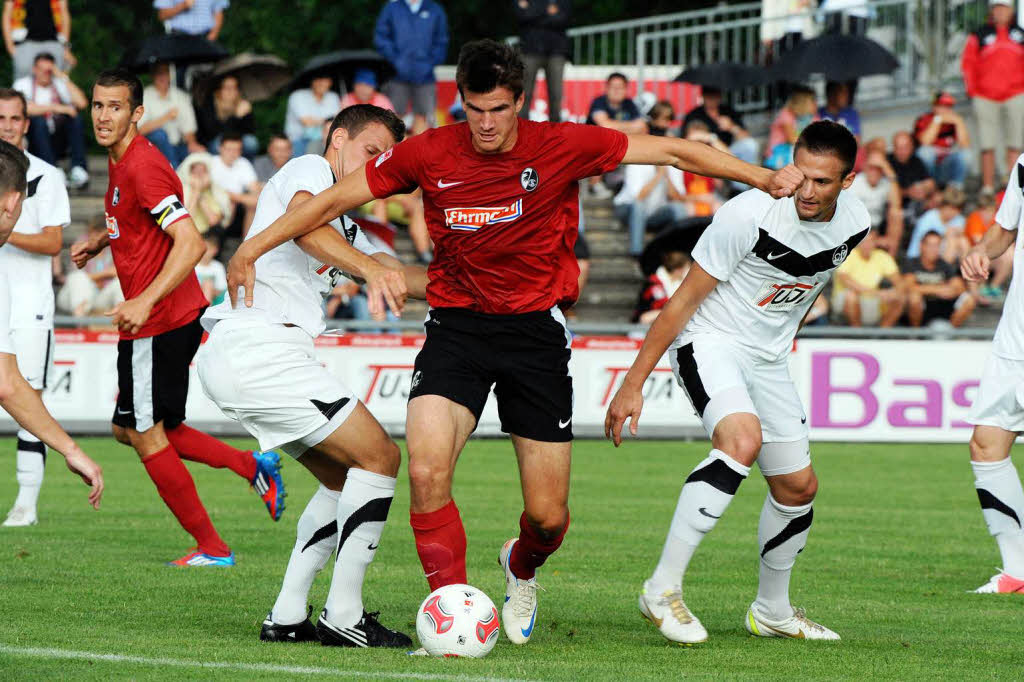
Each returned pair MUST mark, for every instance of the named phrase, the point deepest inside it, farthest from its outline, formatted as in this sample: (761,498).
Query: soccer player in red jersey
(156,248)
(500,195)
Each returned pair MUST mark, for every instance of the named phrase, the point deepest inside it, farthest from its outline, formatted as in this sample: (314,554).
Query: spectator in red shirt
(943,141)
(660,286)
(993,68)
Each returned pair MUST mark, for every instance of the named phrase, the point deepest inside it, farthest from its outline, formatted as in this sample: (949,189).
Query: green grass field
(897,540)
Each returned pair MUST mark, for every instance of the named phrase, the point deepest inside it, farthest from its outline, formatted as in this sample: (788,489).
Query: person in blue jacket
(413,36)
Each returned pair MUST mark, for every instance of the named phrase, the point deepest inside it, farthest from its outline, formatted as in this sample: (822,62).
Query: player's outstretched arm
(350,192)
(629,399)
(22,402)
(975,265)
(695,157)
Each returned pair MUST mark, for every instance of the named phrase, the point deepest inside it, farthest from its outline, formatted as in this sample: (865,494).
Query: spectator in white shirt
(879,189)
(650,198)
(213,279)
(231,171)
(308,108)
(53,105)
(94,289)
(169,121)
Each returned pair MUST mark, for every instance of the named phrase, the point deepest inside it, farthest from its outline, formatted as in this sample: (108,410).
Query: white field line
(65,654)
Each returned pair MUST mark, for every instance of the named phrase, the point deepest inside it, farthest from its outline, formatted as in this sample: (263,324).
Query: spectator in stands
(948,222)
(225,110)
(935,288)
(660,286)
(364,91)
(413,36)
(651,198)
(868,289)
(545,45)
(34,26)
(194,17)
(700,197)
(784,23)
(233,172)
(308,108)
(838,108)
(846,16)
(279,151)
(94,289)
(916,183)
(53,105)
(169,121)
(943,142)
(614,109)
(978,222)
(799,111)
(878,188)
(207,202)
(725,122)
(993,70)
(213,278)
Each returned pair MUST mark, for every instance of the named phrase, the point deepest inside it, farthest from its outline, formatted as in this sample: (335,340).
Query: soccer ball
(457,620)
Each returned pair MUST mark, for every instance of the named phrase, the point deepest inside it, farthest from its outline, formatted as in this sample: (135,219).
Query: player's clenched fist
(785,181)
(385,289)
(627,404)
(131,315)
(81,252)
(975,265)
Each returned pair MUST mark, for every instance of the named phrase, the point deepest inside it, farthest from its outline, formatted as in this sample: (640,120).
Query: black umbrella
(726,75)
(174,48)
(838,57)
(681,236)
(341,66)
(259,76)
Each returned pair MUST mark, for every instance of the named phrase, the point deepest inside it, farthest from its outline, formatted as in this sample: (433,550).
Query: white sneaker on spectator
(600,191)
(79,178)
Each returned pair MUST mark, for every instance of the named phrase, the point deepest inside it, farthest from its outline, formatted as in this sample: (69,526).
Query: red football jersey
(503,225)
(143,199)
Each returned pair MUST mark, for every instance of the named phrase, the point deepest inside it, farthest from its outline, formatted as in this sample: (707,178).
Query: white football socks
(781,535)
(706,494)
(1002,503)
(315,540)
(31,463)
(362,511)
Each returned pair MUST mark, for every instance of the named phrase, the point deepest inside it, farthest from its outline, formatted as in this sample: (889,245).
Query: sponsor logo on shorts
(776,296)
(529,179)
(472,219)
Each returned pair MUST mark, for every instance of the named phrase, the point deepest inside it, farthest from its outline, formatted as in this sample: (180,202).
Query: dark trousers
(553,66)
(68,134)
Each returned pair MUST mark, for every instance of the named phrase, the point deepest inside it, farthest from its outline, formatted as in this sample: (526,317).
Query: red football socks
(441,544)
(178,491)
(532,549)
(196,446)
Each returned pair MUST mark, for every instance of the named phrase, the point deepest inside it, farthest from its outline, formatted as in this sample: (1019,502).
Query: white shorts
(721,380)
(268,378)
(1000,398)
(33,349)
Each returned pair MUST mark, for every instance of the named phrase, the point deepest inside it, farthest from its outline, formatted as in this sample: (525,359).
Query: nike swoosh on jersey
(441,184)
(772,256)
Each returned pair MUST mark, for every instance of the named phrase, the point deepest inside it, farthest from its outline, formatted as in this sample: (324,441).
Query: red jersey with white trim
(143,199)
(503,225)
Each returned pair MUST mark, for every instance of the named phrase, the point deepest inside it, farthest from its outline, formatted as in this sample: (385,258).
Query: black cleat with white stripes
(303,631)
(368,632)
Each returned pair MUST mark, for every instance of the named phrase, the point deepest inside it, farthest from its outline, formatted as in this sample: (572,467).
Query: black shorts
(152,377)
(525,357)
(938,309)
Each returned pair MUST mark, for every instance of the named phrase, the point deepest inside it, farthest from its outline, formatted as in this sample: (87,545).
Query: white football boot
(21,516)
(797,626)
(1001,583)
(519,613)
(668,612)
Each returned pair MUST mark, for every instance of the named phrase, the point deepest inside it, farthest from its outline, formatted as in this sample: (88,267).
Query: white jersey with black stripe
(1009,338)
(770,266)
(290,284)
(30,275)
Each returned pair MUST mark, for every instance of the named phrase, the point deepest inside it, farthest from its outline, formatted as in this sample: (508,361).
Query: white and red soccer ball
(457,620)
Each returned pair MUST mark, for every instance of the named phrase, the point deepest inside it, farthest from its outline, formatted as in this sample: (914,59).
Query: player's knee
(548,522)
(743,447)
(982,451)
(429,477)
(390,459)
(805,491)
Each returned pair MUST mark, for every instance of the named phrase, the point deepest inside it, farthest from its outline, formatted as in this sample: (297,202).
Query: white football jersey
(290,284)
(6,346)
(30,275)
(770,266)
(1009,339)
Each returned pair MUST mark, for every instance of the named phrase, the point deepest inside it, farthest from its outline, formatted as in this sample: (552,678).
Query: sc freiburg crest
(529,179)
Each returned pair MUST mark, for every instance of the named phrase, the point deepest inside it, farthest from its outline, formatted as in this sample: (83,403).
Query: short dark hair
(278,135)
(230,136)
(833,87)
(616,74)
(929,233)
(829,137)
(13,168)
(487,64)
(48,56)
(662,108)
(120,77)
(355,118)
(11,93)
